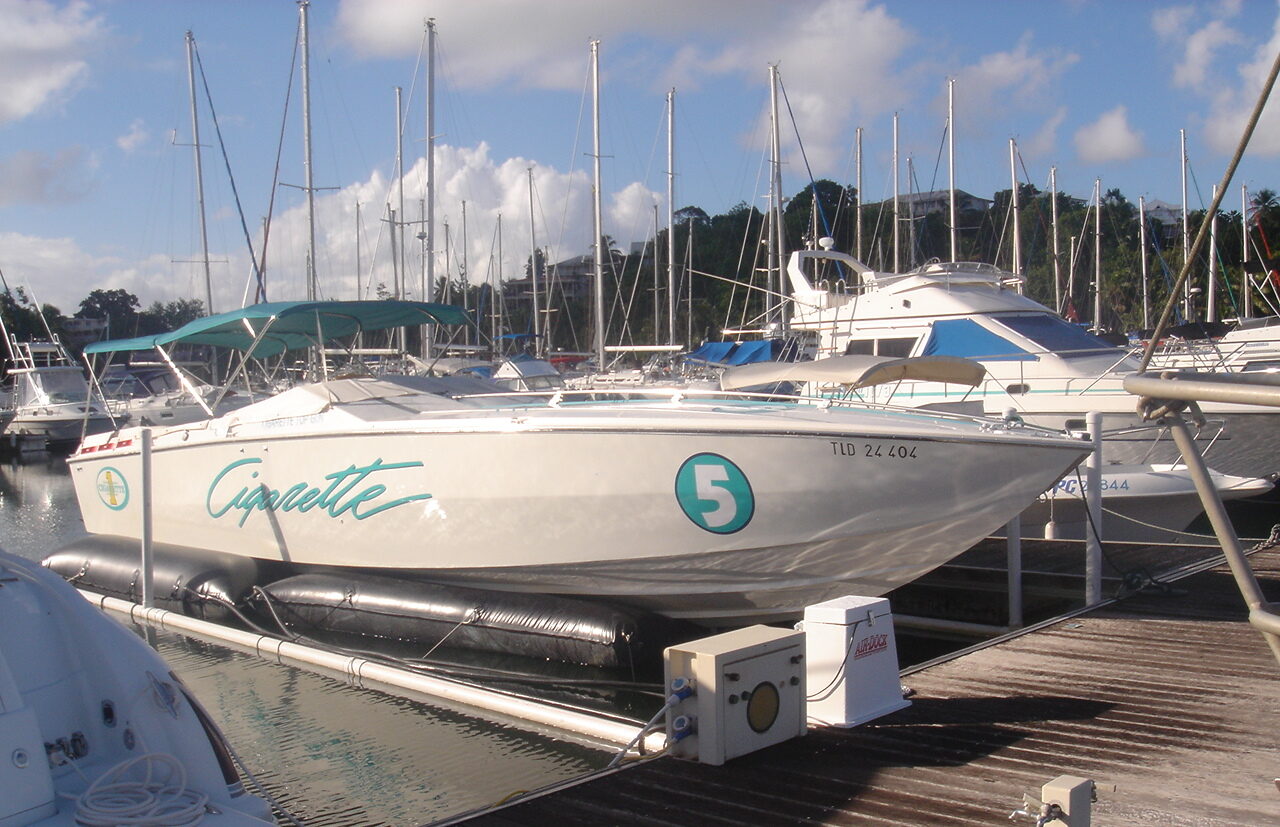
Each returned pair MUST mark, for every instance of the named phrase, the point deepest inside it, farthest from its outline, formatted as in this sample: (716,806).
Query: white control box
(748,693)
(852,661)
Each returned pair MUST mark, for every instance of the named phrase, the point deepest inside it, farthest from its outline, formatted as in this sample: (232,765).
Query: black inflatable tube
(533,625)
(194,582)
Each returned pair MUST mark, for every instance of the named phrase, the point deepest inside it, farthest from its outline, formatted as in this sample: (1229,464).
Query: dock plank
(1169,695)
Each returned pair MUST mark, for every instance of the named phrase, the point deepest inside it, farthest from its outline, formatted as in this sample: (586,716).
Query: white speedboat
(1050,371)
(94,728)
(700,505)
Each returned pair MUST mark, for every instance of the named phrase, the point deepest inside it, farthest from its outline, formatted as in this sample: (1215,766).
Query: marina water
(331,754)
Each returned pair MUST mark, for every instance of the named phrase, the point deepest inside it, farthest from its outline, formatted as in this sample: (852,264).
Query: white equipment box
(852,662)
(748,692)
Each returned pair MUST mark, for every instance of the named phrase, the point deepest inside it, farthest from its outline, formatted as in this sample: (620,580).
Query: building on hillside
(935,201)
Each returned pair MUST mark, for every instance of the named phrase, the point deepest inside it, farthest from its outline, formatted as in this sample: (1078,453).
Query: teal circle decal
(113,489)
(714,493)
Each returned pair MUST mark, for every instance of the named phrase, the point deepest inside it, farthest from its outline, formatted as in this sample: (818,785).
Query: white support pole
(148,553)
(1093,500)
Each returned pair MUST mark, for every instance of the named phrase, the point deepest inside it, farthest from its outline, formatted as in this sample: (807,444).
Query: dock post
(148,554)
(1013,547)
(1093,501)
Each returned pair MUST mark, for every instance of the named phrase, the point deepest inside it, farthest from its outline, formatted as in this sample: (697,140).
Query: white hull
(712,511)
(1141,504)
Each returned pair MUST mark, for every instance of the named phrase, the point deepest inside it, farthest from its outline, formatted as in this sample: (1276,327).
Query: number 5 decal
(714,493)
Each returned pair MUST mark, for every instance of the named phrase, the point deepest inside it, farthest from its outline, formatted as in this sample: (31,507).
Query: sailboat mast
(498,325)
(951,161)
(857,196)
(896,268)
(1053,224)
(1142,246)
(195,146)
(1211,306)
(598,222)
(657,320)
(464,274)
(312,287)
(397,227)
(671,220)
(533,274)
(1246,286)
(1186,229)
(1097,255)
(1017,234)
(431,151)
(776,252)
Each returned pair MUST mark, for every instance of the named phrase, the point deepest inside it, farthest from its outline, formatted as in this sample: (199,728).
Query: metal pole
(397,227)
(430,219)
(148,553)
(1097,255)
(1013,548)
(1093,501)
(1246,283)
(1261,613)
(533,274)
(1017,235)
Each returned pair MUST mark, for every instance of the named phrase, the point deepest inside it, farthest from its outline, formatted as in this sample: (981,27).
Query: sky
(97,181)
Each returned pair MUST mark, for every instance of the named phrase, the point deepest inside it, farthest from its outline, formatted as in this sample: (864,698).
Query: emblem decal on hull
(113,489)
(340,496)
(714,493)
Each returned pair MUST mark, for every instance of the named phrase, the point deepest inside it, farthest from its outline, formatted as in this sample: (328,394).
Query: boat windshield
(54,385)
(1057,335)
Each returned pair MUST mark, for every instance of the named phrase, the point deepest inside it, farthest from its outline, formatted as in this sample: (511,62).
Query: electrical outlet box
(1074,795)
(748,693)
(852,661)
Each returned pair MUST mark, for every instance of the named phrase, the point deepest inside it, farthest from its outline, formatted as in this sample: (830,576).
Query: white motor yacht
(1048,370)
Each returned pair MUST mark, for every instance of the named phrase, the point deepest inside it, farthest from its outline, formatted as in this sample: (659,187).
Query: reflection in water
(330,753)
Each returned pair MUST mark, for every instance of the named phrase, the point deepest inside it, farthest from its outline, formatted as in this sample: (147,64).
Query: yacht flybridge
(1049,371)
(697,504)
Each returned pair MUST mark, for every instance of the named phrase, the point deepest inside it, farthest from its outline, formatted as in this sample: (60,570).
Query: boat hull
(707,525)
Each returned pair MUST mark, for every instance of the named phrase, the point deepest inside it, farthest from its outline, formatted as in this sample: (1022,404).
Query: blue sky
(96,183)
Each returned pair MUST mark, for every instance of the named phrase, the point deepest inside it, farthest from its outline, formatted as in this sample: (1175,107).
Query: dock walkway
(1170,697)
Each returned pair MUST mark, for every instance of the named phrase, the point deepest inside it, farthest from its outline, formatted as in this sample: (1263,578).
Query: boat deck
(1167,699)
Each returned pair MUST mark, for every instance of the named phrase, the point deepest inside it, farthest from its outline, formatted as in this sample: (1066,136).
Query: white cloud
(1172,23)
(1045,140)
(42,51)
(1021,77)
(839,58)
(1110,138)
(32,177)
(1231,104)
(135,137)
(1201,48)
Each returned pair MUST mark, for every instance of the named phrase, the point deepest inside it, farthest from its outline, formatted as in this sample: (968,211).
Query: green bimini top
(276,327)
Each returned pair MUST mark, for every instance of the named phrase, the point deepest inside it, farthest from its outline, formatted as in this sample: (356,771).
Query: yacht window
(860,347)
(898,348)
(1057,335)
(967,338)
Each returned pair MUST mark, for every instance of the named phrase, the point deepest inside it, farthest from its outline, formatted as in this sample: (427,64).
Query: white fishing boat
(51,401)
(700,505)
(94,727)
(1048,370)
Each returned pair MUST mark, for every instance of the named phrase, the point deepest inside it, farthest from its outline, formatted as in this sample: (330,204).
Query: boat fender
(534,625)
(190,581)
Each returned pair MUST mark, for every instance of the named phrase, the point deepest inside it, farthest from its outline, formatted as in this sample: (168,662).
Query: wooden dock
(1168,700)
